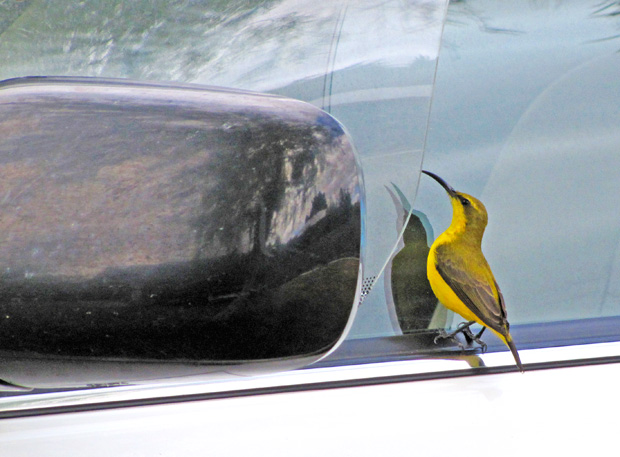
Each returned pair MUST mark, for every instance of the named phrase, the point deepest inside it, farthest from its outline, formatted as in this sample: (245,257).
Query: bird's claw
(443,335)
(471,338)
(464,328)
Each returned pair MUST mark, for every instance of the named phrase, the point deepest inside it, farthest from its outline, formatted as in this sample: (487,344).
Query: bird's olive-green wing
(473,283)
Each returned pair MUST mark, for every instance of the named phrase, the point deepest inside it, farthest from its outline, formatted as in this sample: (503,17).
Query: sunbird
(460,275)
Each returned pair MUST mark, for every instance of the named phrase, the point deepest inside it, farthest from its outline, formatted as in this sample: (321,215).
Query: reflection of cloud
(262,47)
(296,39)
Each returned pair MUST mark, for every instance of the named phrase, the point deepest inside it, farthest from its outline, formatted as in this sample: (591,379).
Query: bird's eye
(464,201)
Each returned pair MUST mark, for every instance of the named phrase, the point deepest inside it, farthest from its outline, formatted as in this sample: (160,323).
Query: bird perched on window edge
(460,275)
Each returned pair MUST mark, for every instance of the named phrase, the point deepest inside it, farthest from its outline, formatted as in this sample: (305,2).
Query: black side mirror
(151,231)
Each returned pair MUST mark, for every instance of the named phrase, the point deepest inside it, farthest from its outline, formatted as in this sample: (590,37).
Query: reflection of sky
(496,58)
(253,46)
(296,46)
(525,116)
(558,175)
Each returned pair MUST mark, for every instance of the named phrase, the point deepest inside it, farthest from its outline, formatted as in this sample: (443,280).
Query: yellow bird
(459,274)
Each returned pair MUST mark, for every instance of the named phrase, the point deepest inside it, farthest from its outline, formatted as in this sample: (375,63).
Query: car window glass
(525,117)
(370,64)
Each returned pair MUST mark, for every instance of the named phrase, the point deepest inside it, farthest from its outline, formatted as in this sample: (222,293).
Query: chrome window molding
(308,379)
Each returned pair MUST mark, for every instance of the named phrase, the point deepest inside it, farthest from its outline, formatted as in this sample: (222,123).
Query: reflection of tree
(608,10)
(611,9)
(175,310)
(250,174)
(318,204)
(345,203)
(466,13)
(10,13)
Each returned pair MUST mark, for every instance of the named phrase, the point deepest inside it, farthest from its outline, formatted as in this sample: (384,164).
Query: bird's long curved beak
(444,184)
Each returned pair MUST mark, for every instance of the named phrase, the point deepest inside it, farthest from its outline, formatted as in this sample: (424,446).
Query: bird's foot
(471,338)
(464,328)
(443,335)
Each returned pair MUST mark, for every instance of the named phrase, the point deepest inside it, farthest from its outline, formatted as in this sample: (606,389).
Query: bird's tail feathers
(513,349)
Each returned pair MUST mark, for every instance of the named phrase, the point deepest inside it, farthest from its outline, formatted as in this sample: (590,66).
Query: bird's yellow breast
(444,292)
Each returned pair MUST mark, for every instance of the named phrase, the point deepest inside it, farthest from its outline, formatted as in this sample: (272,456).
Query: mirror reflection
(150,222)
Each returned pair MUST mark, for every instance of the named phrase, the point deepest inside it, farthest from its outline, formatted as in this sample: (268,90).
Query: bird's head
(467,212)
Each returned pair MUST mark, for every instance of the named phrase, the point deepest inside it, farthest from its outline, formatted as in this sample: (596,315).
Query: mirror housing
(150,231)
